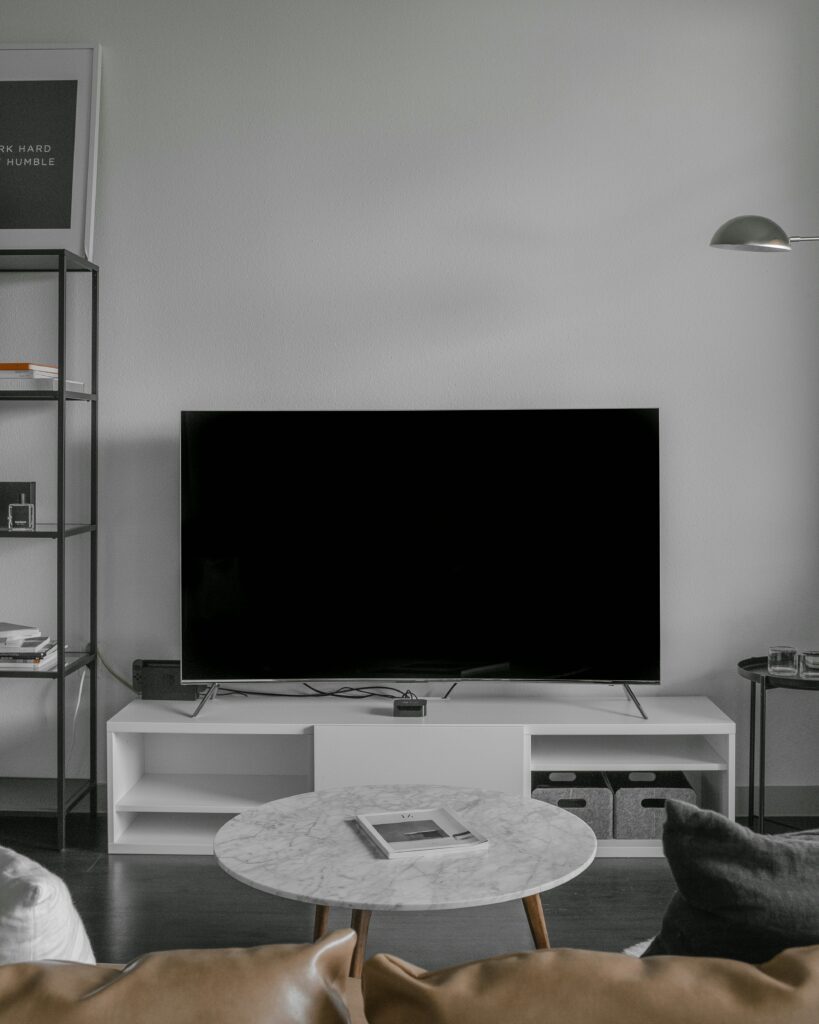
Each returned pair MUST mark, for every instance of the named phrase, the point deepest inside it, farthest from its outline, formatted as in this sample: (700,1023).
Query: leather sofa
(308,984)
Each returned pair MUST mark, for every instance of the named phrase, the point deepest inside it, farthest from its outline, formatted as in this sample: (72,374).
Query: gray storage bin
(586,794)
(639,801)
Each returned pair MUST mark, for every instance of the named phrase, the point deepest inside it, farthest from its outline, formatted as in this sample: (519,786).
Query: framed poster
(49,114)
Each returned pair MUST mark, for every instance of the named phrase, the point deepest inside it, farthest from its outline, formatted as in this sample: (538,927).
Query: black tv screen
(379,545)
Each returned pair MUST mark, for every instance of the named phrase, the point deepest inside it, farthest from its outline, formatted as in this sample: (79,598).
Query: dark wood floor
(134,904)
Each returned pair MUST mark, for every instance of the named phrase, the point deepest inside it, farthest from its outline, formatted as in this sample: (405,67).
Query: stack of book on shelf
(25,647)
(34,377)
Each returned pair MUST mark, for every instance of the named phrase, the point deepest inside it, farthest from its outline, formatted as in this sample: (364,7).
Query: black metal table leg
(762,703)
(752,758)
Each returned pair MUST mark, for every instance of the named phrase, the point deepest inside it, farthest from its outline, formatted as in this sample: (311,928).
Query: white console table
(173,780)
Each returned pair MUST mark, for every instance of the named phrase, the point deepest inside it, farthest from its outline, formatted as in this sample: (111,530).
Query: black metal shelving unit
(61,262)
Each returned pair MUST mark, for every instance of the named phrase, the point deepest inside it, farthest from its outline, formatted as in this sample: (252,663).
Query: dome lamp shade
(752,233)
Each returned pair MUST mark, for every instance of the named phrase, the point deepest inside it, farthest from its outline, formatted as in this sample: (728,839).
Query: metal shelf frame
(49,530)
(61,262)
(44,396)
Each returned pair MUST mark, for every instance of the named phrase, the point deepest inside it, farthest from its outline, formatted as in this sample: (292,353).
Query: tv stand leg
(631,697)
(212,691)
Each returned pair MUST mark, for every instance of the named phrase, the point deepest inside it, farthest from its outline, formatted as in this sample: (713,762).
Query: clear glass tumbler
(810,664)
(783,660)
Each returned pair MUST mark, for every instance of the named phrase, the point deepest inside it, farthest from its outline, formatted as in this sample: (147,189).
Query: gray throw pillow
(742,896)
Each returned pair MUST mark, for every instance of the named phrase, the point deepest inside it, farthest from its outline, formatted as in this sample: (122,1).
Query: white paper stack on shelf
(34,377)
(25,647)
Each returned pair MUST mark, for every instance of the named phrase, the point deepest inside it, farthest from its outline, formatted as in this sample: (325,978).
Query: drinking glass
(810,664)
(782,660)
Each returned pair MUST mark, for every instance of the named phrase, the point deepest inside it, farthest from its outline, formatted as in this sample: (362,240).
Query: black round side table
(756,670)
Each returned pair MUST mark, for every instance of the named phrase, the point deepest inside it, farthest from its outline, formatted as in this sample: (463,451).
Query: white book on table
(429,830)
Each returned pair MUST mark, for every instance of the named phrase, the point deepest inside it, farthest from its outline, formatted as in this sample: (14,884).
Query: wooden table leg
(360,923)
(321,921)
(537,922)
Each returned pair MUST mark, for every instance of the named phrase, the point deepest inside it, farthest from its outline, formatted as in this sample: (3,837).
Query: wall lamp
(756,234)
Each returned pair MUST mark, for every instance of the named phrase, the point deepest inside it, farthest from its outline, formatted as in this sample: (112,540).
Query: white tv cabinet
(174,780)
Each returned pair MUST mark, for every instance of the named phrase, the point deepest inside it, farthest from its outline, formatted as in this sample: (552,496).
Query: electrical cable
(347,692)
(114,674)
(361,692)
(75,716)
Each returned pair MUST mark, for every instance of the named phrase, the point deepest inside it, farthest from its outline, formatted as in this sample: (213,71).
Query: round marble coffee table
(309,848)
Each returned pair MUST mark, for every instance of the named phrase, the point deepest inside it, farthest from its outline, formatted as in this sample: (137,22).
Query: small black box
(159,680)
(12,492)
(409,707)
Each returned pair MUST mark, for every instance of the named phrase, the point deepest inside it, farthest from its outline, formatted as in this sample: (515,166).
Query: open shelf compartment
(706,759)
(172,791)
(182,834)
(625,754)
(208,793)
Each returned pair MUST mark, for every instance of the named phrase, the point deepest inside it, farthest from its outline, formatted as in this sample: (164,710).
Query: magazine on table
(431,830)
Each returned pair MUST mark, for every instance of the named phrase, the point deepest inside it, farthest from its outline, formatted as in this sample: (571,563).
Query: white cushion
(638,948)
(37,918)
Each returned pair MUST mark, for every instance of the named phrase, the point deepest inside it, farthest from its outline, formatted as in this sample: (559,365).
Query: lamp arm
(804,238)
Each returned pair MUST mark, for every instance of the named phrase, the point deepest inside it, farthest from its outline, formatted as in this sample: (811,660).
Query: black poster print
(37,153)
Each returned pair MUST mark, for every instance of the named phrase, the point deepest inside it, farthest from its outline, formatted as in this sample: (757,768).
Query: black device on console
(409,707)
(464,544)
(159,680)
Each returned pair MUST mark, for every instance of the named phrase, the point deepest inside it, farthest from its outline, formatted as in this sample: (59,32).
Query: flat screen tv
(422,545)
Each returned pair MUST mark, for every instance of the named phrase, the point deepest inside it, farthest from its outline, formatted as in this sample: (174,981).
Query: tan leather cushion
(265,985)
(568,986)
(355,1003)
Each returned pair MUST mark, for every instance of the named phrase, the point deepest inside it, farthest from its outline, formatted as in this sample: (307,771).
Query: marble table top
(308,848)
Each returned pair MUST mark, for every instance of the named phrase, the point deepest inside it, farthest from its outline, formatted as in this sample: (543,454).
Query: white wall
(371,203)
